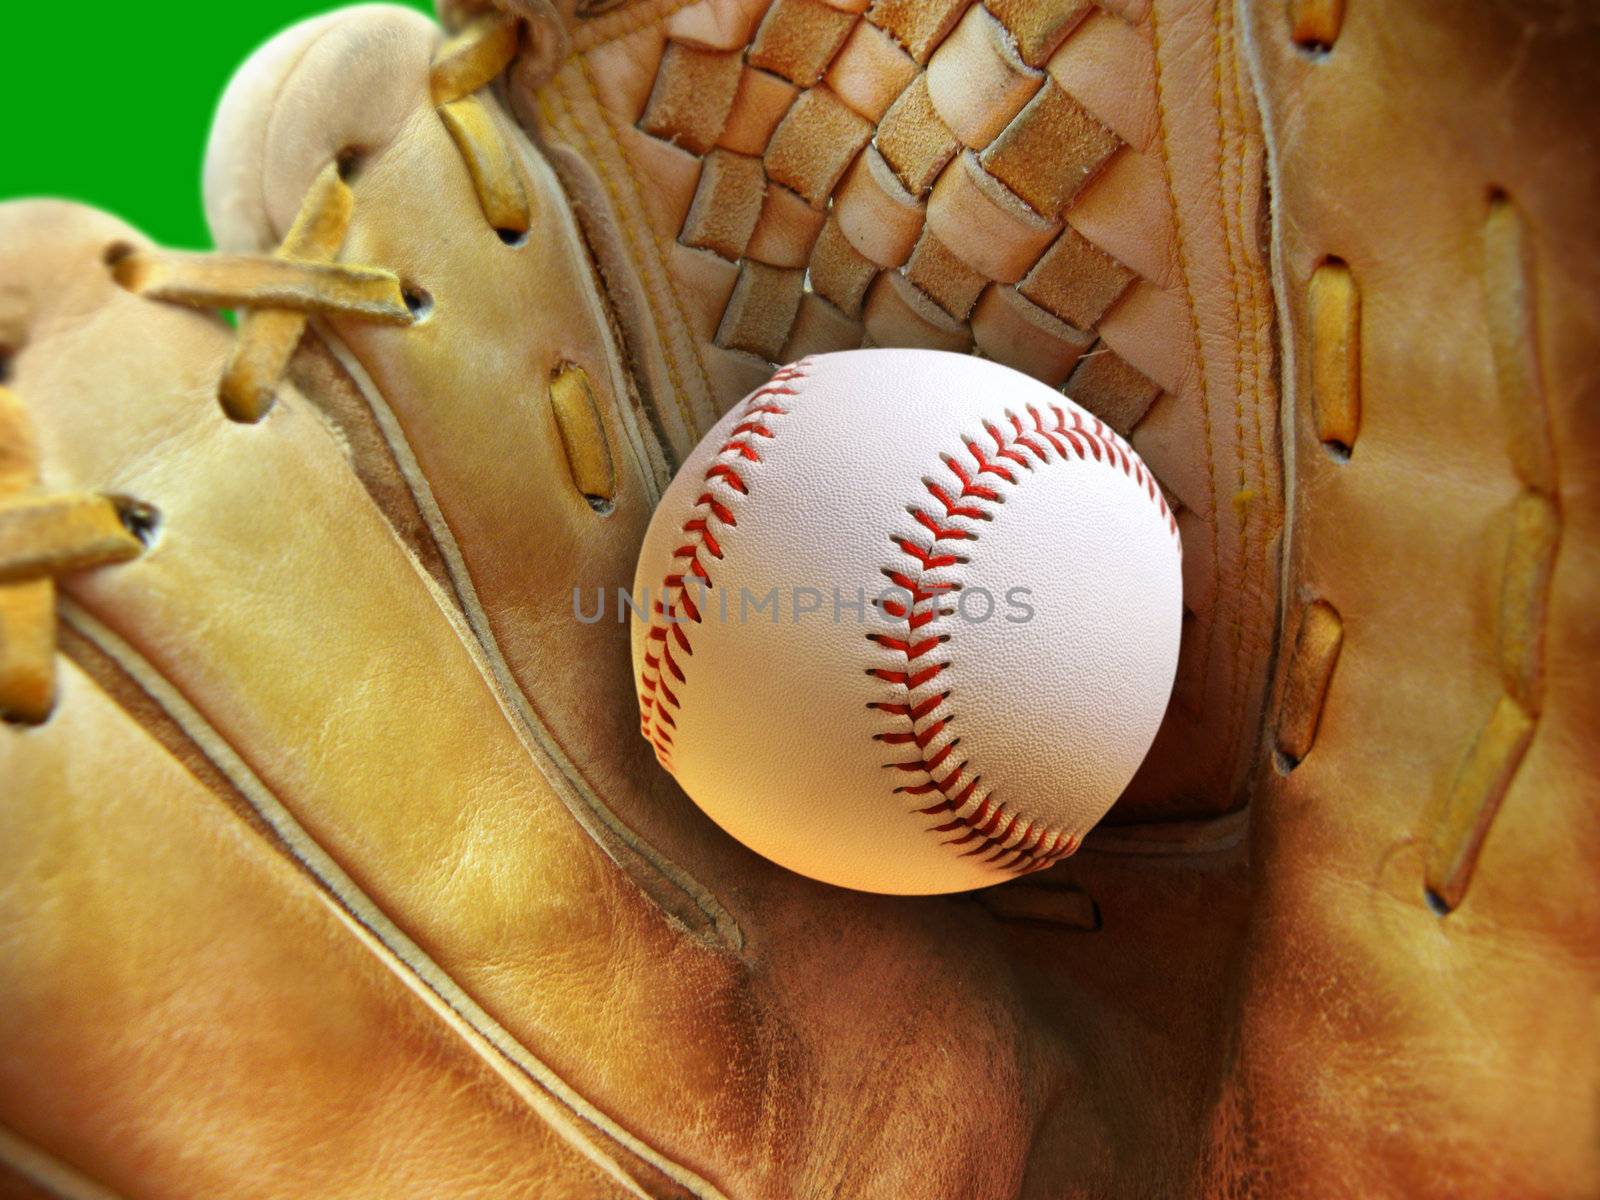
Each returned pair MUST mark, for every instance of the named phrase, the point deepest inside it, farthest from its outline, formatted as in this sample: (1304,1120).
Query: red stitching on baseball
(1007,841)
(676,605)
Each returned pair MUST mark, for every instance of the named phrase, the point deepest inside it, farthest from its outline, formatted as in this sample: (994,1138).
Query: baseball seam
(722,485)
(971,820)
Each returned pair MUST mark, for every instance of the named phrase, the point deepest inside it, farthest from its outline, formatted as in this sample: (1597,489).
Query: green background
(110,102)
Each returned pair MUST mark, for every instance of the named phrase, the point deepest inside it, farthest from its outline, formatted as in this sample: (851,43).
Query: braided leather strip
(949,789)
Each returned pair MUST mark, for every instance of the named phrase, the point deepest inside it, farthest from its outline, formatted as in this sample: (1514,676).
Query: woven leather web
(904,173)
(792,177)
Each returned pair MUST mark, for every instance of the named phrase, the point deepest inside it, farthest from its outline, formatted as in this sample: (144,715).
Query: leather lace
(276,294)
(43,537)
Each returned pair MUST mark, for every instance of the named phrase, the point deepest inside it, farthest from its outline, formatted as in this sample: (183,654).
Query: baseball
(909,621)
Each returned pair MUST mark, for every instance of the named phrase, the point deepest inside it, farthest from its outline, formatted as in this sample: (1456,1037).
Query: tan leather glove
(331,861)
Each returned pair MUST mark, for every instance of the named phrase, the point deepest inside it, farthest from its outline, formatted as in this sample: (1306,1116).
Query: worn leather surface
(339,867)
(1442,153)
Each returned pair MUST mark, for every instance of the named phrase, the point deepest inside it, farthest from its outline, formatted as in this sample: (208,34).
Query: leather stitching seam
(647,287)
(1230,154)
(656,240)
(1203,383)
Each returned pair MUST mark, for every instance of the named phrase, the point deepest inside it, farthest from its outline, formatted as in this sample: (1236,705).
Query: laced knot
(46,536)
(42,537)
(276,294)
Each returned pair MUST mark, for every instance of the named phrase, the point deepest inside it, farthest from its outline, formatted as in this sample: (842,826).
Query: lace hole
(118,258)
(515,238)
(138,518)
(24,721)
(6,355)
(419,301)
(348,162)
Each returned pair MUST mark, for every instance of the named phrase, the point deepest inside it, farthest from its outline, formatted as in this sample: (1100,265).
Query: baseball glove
(331,860)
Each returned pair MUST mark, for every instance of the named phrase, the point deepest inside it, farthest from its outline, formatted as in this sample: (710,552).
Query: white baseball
(921,747)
